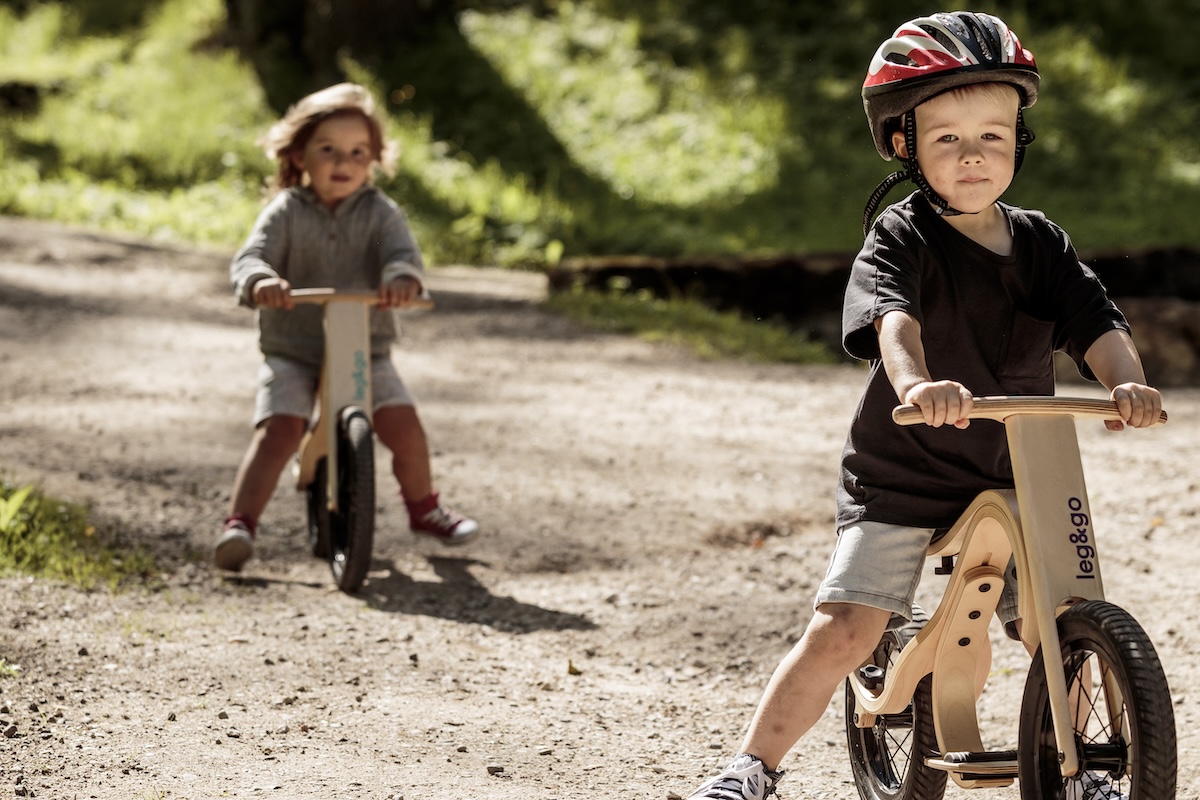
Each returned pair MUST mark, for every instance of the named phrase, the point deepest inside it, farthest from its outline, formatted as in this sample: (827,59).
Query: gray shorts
(879,565)
(290,388)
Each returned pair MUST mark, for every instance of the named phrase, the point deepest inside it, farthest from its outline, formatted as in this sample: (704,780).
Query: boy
(953,295)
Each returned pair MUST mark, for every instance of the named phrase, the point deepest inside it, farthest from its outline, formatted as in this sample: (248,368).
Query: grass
(44,537)
(690,323)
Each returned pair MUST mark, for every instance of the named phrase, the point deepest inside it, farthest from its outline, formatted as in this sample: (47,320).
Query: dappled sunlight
(648,128)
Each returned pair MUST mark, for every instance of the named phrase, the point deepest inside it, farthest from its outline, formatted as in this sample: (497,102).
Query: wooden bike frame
(1045,525)
(345,381)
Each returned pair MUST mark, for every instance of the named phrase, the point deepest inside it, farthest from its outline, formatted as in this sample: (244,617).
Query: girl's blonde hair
(291,134)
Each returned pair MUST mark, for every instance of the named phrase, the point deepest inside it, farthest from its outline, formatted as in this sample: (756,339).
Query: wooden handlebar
(1000,408)
(323,296)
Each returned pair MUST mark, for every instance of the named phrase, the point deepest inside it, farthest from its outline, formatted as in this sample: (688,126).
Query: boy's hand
(942,402)
(1138,404)
(399,292)
(273,293)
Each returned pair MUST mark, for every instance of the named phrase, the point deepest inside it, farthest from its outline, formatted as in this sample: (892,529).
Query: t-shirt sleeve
(1085,312)
(885,277)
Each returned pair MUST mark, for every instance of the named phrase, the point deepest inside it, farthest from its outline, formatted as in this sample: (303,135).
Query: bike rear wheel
(352,526)
(888,759)
(1125,723)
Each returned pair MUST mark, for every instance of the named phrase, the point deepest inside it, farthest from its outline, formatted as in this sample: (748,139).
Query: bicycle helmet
(930,55)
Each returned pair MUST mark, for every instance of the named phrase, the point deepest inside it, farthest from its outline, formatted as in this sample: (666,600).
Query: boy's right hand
(273,293)
(941,402)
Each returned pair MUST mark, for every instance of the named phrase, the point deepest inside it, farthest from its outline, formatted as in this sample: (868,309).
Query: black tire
(888,759)
(318,512)
(1138,756)
(352,527)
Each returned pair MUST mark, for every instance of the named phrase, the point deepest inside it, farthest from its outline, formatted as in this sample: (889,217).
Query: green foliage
(538,129)
(690,323)
(125,137)
(49,538)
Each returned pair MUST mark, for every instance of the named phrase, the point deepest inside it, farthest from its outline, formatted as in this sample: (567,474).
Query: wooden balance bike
(336,464)
(1096,718)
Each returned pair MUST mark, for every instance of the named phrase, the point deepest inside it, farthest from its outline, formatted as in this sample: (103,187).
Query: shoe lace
(441,519)
(1097,787)
(745,779)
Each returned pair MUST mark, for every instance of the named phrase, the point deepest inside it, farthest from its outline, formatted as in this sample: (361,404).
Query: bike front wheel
(888,758)
(1124,721)
(352,526)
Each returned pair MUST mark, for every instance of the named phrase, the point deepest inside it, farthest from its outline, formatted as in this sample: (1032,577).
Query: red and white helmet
(929,55)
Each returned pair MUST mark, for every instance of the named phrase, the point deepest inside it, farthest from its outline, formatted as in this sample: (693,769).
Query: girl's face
(966,145)
(338,158)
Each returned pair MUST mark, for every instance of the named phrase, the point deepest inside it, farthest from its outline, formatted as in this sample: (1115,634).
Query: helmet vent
(945,40)
(984,46)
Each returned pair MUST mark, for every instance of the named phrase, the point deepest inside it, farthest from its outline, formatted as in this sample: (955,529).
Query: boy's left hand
(1138,404)
(399,292)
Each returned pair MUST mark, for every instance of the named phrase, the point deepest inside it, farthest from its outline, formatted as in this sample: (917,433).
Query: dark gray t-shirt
(989,322)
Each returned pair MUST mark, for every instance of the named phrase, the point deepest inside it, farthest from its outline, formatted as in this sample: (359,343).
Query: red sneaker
(428,517)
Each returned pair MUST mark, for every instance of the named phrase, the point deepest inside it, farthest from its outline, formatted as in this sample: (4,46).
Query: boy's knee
(849,630)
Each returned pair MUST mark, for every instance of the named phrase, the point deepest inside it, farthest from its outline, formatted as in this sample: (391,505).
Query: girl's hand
(399,292)
(1138,404)
(273,293)
(942,402)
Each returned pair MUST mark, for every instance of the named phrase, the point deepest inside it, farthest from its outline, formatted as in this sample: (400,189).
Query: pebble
(494,769)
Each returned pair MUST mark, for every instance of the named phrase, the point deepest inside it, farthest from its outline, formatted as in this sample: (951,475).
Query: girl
(326,225)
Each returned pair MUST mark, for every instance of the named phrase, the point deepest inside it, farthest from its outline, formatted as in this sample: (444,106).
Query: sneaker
(235,545)
(1093,786)
(746,778)
(428,517)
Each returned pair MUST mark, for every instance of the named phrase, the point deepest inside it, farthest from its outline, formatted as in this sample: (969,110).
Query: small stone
(494,769)
(10,731)
(223,715)
(83,651)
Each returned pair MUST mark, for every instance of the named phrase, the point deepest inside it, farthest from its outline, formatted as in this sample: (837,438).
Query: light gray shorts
(289,387)
(879,565)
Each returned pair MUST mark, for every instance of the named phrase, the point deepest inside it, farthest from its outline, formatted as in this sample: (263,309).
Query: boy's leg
(839,638)
(872,577)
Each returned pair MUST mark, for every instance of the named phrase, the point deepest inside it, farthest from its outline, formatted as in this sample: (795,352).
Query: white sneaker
(744,779)
(1093,786)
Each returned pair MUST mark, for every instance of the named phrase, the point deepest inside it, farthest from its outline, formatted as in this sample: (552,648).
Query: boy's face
(337,158)
(966,144)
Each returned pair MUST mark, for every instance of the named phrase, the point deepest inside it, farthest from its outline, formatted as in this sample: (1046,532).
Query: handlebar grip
(1000,408)
(321,296)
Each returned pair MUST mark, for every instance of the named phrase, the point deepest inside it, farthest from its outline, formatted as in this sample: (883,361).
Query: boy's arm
(903,357)
(1115,362)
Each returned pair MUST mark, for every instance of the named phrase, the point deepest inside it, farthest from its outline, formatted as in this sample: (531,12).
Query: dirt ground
(653,529)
